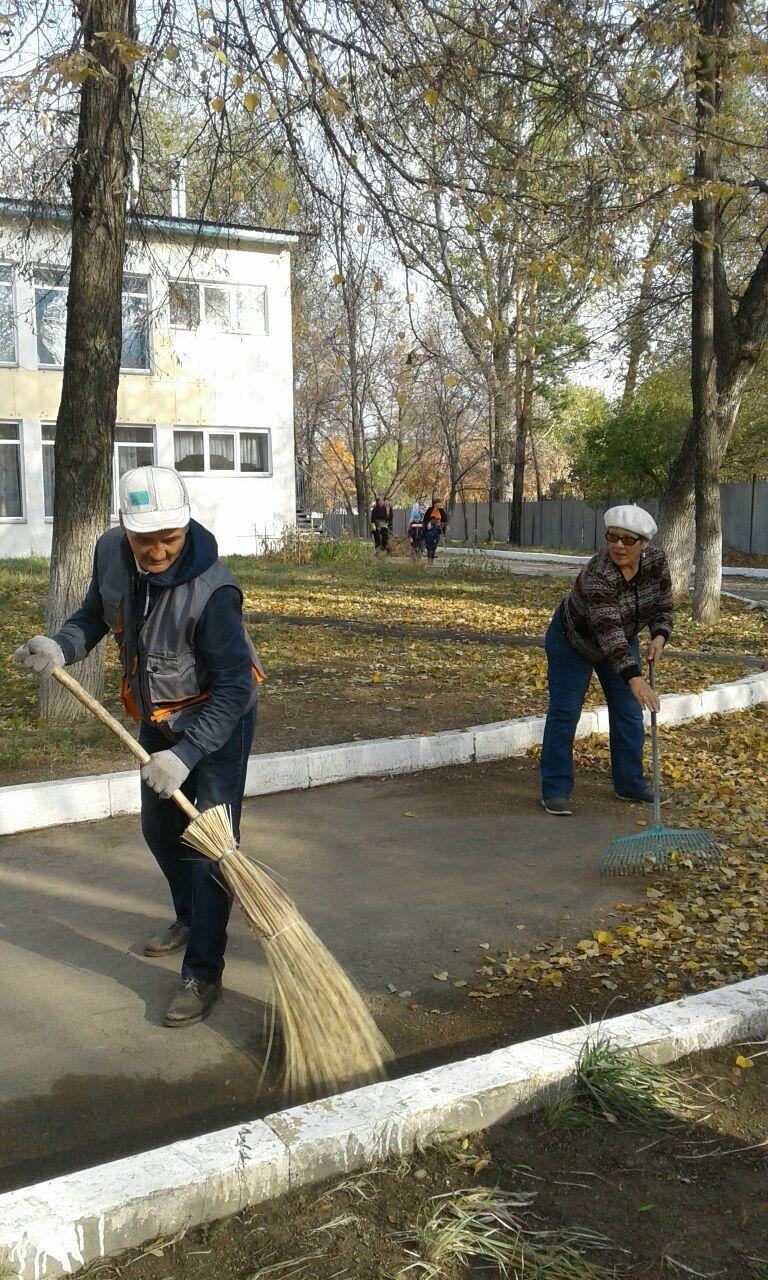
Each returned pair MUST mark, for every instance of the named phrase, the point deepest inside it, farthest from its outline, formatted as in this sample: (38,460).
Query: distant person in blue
(435,525)
(432,535)
(415,528)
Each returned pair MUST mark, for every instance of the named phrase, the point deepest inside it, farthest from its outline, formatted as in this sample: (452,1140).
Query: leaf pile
(699,927)
(465,596)
(388,684)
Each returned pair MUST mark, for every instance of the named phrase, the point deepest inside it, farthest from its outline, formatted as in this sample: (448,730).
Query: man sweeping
(191,677)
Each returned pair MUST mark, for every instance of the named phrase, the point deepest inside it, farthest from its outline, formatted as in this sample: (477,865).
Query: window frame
(237,472)
(19,442)
(124,370)
(232,330)
(144,444)
(115,478)
(128,370)
(183,328)
(46,444)
(42,266)
(12,364)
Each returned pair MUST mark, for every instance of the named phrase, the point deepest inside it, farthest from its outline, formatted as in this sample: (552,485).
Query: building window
(235,452)
(49,436)
(221,449)
(50,316)
(217,309)
(135,350)
(254,451)
(51,286)
(131,447)
(185,304)
(11,504)
(188,451)
(7,317)
(223,307)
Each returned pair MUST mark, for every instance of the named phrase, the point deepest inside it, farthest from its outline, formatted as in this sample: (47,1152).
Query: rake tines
(659,849)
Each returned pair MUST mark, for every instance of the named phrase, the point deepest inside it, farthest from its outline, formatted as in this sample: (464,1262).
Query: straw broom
(330,1037)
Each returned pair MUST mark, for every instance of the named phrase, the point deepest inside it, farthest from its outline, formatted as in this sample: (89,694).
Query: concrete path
(88,1072)
(747,589)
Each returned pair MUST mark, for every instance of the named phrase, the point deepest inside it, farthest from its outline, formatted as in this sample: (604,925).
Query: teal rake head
(659,849)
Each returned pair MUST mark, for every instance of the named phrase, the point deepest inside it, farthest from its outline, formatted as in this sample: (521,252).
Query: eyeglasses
(626,539)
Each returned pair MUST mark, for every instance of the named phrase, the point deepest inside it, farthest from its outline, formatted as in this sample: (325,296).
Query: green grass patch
(619,1087)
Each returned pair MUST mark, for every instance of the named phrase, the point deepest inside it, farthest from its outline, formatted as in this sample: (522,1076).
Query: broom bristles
(330,1037)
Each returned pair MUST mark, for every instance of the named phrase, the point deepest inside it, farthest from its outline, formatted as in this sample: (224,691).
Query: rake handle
(654,750)
(94,706)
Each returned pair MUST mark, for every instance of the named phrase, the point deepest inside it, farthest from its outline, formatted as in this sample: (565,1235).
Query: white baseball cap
(632,519)
(153,498)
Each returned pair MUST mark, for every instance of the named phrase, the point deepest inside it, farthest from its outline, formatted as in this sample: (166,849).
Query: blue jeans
(199,898)
(568,676)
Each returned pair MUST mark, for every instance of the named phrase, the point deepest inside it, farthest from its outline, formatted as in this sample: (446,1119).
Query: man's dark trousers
(199,898)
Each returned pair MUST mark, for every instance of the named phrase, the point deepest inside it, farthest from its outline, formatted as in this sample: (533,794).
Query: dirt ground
(685,1199)
(382,685)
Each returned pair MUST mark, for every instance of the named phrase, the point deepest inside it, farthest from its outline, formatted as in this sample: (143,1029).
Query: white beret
(633,519)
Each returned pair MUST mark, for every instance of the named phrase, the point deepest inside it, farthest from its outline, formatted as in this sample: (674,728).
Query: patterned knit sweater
(602,612)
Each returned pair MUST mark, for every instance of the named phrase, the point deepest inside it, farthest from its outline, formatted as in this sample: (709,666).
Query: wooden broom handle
(119,730)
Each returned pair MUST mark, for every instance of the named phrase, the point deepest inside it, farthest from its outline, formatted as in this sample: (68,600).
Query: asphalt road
(87,1070)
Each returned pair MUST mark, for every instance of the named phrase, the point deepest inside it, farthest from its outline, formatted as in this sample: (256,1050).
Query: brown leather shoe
(171,939)
(192,1002)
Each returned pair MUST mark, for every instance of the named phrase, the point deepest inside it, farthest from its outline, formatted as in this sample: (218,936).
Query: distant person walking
(436,512)
(415,529)
(432,535)
(595,628)
(382,517)
(435,525)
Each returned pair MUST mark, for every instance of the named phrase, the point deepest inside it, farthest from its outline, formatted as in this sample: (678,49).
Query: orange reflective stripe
(128,700)
(168,708)
(259,674)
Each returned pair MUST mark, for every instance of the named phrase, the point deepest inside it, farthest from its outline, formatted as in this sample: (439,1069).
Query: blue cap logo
(139,498)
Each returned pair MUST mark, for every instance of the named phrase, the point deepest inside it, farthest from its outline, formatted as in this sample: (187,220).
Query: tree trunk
(714,24)
(723,354)
(677,520)
(503,412)
(638,324)
(536,469)
(518,465)
(524,417)
(88,407)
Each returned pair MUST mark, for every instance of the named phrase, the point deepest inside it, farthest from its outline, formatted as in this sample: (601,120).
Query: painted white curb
(56,1227)
(552,557)
(754,605)
(35,805)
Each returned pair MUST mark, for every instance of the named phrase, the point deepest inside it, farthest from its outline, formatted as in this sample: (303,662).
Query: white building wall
(199,379)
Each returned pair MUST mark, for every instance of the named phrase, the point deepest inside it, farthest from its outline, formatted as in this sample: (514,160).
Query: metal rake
(659,848)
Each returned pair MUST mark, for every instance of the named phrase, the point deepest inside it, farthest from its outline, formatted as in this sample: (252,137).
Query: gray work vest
(164,677)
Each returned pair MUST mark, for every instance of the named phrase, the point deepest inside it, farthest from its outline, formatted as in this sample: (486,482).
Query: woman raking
(622,589)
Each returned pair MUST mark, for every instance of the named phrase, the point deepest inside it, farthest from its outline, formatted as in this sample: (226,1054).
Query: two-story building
(206,382)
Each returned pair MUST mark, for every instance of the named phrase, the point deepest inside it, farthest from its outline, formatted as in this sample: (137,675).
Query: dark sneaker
(171,939)
(639,797)
(192,1002)
(558,805)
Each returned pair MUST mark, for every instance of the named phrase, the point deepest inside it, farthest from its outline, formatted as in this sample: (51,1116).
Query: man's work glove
(40,655)
(164,772)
